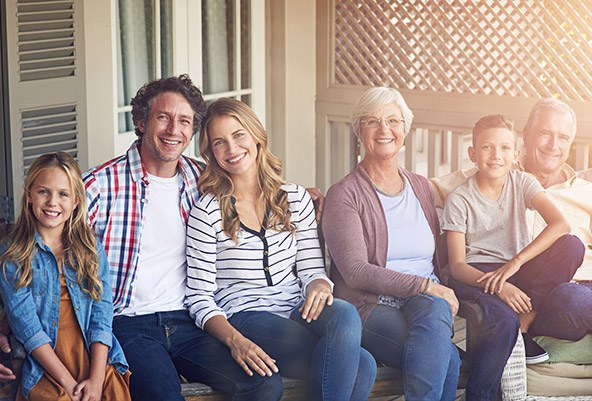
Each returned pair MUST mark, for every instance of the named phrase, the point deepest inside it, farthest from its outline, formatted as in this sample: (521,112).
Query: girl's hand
(71,391)
(318,294)
(494,281)
(439,290)
(515,298)
(89,390)
(250,356)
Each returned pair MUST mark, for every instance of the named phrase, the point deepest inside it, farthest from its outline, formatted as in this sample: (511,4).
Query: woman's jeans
(417,340)
(161,346)
(326,352)
(539,279)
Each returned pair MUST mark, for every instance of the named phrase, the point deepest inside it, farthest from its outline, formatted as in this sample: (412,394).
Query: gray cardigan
(355,230)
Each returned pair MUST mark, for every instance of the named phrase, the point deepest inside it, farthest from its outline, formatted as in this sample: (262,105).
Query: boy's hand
(494,281)
(515,298)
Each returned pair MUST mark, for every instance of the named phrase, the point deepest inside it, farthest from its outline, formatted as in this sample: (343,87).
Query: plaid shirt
(116,193)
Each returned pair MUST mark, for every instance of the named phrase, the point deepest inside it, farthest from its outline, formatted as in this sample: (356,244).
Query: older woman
(386,248)
(256,275)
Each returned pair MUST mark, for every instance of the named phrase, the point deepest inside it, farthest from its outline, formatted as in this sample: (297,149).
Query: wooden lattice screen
(532,48)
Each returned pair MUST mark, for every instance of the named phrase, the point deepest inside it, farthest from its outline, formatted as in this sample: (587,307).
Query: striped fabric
(264,271)
(116,192)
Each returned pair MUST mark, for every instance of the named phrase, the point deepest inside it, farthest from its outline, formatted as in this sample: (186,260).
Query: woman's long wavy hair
(216,181)
(78,240)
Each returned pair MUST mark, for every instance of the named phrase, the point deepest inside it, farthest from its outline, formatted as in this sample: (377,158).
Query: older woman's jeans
(416,339)
(326,352)
(161,346)
(538,278)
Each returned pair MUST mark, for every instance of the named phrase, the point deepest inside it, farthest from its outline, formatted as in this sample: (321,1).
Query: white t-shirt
(162,269)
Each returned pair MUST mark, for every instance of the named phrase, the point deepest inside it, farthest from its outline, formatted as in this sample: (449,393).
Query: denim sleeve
(101,314)
(21,311)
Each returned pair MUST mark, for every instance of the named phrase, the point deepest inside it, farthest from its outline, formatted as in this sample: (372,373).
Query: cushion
(578,352)
(559,379)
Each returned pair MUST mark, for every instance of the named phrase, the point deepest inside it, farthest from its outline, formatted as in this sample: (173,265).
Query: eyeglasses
(390,121)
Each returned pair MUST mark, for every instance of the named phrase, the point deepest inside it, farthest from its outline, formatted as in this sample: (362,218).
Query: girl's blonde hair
(216,181)
(79,243)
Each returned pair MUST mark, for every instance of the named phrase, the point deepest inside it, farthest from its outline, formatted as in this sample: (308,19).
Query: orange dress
(72,352)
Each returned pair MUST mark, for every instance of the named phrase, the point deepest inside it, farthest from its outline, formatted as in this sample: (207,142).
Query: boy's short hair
(493,121)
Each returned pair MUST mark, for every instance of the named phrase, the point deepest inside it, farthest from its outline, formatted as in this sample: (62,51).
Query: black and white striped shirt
(264,271)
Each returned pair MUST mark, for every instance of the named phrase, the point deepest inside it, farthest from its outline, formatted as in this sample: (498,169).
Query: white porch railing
(435,146)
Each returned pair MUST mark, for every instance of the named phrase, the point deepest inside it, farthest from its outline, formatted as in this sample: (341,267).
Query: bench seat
(389,382)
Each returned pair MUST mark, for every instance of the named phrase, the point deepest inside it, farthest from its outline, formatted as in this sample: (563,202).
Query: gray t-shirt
(495,230)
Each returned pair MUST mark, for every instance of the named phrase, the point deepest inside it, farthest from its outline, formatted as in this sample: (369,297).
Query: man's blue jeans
(417,340)
(539,279)
(566,313)
(161,346)
(326,352)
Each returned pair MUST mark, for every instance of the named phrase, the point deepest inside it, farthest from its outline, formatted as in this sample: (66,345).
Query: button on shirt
(264,271)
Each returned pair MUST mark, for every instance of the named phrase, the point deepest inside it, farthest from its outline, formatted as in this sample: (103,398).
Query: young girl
(57,291)
(256,275)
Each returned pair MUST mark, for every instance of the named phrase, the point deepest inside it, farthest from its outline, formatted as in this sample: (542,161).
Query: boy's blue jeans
(162,345)
(416,339)
(538,278)
(326,352)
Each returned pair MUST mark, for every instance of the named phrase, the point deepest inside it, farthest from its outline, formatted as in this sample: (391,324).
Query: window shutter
(46,83)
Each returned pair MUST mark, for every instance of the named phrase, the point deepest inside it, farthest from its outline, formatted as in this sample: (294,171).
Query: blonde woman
(256,276)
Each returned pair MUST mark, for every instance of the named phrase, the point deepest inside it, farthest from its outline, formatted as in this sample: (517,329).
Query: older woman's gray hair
(552,104)
(376,98)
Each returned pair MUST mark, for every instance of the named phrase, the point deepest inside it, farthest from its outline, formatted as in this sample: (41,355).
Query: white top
(161,274)
(496,231)
(413,250)
(265,271)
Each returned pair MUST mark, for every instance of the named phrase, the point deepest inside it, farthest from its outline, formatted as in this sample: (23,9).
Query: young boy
(491,258)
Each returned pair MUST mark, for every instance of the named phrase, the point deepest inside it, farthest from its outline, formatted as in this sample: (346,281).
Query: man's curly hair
(182,85)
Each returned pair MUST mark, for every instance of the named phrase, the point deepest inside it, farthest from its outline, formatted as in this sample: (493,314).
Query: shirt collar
(138,170)
(40,243)
(567,172)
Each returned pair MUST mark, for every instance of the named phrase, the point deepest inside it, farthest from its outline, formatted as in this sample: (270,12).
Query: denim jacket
(33,311)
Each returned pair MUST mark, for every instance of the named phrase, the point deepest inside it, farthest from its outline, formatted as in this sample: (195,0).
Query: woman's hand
(89,390)
(318,294)
(250,356)
(439,290)
(494,281)
(515,298)
(244,351)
